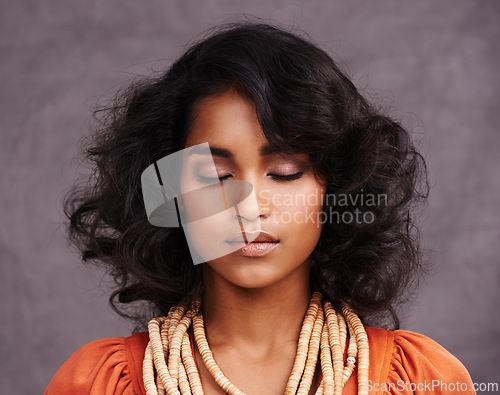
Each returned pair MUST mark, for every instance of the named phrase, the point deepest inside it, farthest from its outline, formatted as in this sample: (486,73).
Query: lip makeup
(262,245)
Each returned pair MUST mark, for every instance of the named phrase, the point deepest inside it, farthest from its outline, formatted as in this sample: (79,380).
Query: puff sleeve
(419,365)
(106,366)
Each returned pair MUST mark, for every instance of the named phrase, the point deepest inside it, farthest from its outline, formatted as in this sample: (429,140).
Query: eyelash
(276,177)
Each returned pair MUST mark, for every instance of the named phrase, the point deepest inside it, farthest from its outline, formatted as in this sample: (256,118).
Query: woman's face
(288,197)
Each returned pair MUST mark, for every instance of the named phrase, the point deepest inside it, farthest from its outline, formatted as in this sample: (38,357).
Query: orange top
(401,362)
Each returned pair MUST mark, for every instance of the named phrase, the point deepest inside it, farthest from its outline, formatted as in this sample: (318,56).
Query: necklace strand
(323,334)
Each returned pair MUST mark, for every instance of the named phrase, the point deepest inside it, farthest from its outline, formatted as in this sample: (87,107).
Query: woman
(278,226)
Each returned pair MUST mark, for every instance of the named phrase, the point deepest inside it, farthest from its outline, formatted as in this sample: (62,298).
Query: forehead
(229,123)
(226,117)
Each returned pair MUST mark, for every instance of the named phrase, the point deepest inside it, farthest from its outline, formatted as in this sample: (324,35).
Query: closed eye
(212,180)
(287,177)
(277,177)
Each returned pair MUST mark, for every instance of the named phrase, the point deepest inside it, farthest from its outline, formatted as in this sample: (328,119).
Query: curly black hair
(305,104)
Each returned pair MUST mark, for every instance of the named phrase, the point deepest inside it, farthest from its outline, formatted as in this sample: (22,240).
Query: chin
(256,282)
(250,273)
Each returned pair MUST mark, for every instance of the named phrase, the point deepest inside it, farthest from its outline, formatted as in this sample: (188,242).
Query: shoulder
(106,366)
(413,363)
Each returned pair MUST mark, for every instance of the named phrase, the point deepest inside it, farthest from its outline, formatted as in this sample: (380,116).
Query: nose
(257,207)
(263,214)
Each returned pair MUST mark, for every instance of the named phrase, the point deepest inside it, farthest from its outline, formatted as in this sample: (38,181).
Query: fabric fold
(100,367)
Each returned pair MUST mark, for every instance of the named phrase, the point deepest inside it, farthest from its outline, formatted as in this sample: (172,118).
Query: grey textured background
(434,63)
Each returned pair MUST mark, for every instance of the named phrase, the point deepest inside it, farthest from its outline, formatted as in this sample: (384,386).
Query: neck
(258,318)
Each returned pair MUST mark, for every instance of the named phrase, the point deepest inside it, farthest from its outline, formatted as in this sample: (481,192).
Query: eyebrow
(224,153)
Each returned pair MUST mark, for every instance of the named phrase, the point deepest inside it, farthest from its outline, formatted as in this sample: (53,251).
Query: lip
(257,236)
(261,245)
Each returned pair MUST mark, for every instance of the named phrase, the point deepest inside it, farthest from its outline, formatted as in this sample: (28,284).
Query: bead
(323,335)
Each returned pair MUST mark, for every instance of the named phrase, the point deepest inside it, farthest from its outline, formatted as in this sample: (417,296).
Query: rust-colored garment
(401,362)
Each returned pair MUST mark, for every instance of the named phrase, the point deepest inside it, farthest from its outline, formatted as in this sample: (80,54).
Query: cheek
(299,207)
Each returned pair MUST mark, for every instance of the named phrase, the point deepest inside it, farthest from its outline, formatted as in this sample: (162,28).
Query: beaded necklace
(323,334)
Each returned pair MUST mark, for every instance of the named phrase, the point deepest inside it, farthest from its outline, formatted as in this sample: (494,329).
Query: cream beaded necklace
(323,332)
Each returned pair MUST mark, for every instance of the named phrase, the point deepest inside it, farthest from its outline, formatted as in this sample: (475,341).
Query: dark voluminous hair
(305,104)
